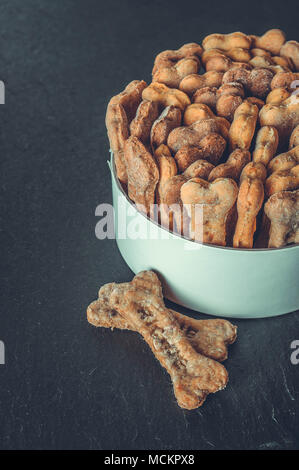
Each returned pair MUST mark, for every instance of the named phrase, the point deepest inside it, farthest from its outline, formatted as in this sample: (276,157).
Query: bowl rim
(112,167)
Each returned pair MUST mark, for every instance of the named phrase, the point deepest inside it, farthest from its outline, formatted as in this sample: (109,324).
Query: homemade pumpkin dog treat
(243,126)
(215,200)
(138,305)
(291,50)
(121,110)
(282,209)
(265,145)
(283,180)
(240,114)
(166,96)
(233,167)
(249,203)
(194,82)
(169,119)
(143,174)
(208,337)
(167,168)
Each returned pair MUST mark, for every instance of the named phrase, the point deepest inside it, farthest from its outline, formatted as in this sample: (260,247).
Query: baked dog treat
(166,96)
(196,112)
(215,200)
(207,337)
(166,166)
(171,206)
(284,161)
(206,96)
(146,114)
(225,42)
(282,209)
(243,126)
(283,180)
(249,203)
(143,174)
(284,80)
(194,82)
(199,169)
(265,145)
(172,75)
(169,119)
(256,82)
(193,375)
(233,167)
(121,110)
(291,50)
(285,117)
(271,41)
(169,58)
(277,96)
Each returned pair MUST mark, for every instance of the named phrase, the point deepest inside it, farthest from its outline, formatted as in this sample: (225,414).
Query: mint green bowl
(228,282)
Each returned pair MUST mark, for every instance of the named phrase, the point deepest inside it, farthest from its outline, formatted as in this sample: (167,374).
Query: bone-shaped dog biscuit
(166,166)
(121,110)
(193,375)
(233,167)
(216,200)
(265,145)
(282,209)
(249,203)
(243,126)
(166,96)
(146,114)
(143,174)
(283,180)
(208,337)
(169,119)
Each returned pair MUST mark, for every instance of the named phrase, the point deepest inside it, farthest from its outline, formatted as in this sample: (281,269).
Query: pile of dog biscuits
(226,140)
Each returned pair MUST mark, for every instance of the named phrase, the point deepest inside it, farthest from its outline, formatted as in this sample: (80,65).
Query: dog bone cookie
(147,112)
(283,180)
(285,117)
(166,166)
(277,96)
(282,209)
(206,96)
(256,82)
(265,145)
(194,82)
(172,75)
(271,41)
(216,200)
(120,111)
(291,50)
(284,161)
(284,80)
(229,97)
(169,119)
(143,174)
(225,42)
(199,169)
(171,210)
(243,126)
(233,167)
(193,375)
(208,337)
(249,203)
(166,96)
(171,57)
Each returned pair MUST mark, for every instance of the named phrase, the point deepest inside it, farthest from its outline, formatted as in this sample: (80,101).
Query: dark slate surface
(66,384)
